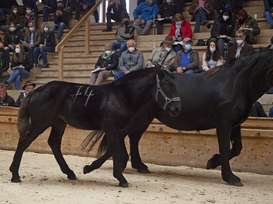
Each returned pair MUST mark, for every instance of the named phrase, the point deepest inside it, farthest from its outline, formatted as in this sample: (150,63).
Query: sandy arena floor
(43,182)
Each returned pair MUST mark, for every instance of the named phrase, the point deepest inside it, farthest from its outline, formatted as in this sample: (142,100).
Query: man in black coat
(5,99)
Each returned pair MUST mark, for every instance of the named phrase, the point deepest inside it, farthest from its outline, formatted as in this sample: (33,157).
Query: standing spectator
(27,88)
(116,11)
(18,67)
(5,99)
(106,63)
(166,11)
(50,6)
(47,44)
(223,29)
(12,37)
(61,21)
(268,11)
(125,32)
(144,15)
(164,56)
(29,17)
(187,59)
(130,60)
(241,47)
(31,43)
(4,58)
(249,25)
(87,4)
(200,10)
(212,57)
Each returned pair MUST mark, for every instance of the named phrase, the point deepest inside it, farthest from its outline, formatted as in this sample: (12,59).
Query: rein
(166,98)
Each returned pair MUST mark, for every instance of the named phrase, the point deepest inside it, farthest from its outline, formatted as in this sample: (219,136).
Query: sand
(43,182)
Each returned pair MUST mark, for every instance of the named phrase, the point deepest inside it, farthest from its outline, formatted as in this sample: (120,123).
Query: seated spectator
(12,37)
(31,43)
(248,24)
(29,17)
(32,5)
(3,20)
(200,10)
(223,29)
(116,11)
(71,6)
(180,29)
(15,18)
(106,63)
(166,11)
(212,57)
(144,15)
(164,56)
(4,58)
(241,47)
(257,110)
(125,32)
(187,59)
(18,67)
(50,6)
(268,11)
(130,60)
(47,44)
(271,112)
(5,99)
(88,4)
(27,88)
(61,21)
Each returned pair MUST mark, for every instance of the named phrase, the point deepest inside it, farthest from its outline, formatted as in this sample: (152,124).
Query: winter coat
(145,12)
(185,31)
(131,61)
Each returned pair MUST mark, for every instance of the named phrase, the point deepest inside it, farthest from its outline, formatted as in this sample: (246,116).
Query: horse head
(166,95)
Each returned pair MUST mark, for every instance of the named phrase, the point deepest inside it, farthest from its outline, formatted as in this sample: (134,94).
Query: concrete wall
(163,145)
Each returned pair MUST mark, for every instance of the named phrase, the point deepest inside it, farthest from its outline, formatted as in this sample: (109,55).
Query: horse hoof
(124,185)
(234,181)
(15,180)
(72,176)
(143,171)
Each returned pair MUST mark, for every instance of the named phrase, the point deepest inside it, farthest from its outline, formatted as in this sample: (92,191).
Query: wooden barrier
(163,145)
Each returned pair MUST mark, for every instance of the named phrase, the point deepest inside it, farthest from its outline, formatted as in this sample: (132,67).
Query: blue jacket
(145,12)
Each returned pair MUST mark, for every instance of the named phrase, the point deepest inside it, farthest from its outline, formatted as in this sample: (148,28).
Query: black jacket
(4,60)
(48,39)
(222,27)
(7,101)
(12,38)
(110,63)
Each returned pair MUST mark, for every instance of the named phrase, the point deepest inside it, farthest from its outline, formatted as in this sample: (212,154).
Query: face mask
(12,29)
(225,18)
(17,50)
(167,49)
(15,11)
(169,1)
(28,11)
(212,49)
(239,42)
(108,52)
(45,29)
(131,49)
(187,47)
(31,28)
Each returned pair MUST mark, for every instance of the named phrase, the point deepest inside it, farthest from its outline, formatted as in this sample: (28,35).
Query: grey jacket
(131,61)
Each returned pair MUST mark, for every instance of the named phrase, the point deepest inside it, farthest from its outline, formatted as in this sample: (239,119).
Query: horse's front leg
(236,142)
(223,134)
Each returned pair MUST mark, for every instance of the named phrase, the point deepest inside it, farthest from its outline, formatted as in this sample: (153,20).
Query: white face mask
(15,11)
(225,18)
(31,28)
(12,29)
(17,50)
(168,49)
(239,42)
(169,1)
(131,49)
(212,49)
(187,47)
(28,11)
(108,52)
(45,29)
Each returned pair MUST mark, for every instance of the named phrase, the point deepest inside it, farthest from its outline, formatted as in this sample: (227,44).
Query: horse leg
(24,142)
(54,141)
(223,134)
(236,142)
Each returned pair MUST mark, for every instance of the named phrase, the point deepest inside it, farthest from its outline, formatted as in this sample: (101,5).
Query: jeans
(42,51)
(269,18)
(201,17)
(59,30)
(33,54)
(16,76)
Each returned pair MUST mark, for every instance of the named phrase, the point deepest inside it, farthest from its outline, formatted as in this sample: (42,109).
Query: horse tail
(24,120)
(91,139)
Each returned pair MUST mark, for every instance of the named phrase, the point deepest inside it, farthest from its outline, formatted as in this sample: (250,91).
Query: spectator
(200,10)
(47,44)
(271,112)
(27,88)
(50,6)
(212,57)
(164,56)
(106,63)
(12,37)
(241,47)
(87,4)
(257,110)
(32,4)
(144,15)
(130,60)
(116,11)
(74,6)
(223,29)
(15,18)
(187,59)
(249,25)
(18,67)
(29,17)
(61,21)
(31,43)
(125,32)
(5,99)
(4,58)
(268,11)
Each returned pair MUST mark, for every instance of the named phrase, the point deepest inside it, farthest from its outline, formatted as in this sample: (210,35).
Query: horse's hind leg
(236,142)
(23,144)
(54,141)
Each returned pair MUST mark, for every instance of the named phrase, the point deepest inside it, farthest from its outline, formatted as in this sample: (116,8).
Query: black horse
(108,108)
(220,99)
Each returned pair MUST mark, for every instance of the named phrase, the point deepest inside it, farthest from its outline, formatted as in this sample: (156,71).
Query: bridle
(166,98)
